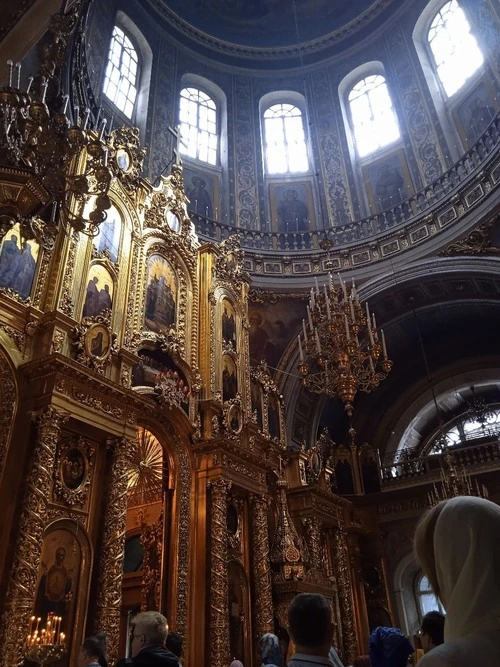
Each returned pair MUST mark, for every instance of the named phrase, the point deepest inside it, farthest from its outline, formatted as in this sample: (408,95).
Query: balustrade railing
(410,468)
(420,204)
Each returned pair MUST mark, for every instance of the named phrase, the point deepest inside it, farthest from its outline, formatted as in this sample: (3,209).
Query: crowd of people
(458,545)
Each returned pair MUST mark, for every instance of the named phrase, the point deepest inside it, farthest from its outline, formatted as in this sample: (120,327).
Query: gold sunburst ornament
(146,470)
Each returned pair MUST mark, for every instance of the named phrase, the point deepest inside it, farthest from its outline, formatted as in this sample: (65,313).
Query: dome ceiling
(269,28)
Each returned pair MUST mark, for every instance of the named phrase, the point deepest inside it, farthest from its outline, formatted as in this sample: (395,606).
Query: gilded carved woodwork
(21,590)
(287,549)
(219,617)
(477,242)
(113,545)
(341,557)
(263,601)
(8,394)
(152,544)
(73,472)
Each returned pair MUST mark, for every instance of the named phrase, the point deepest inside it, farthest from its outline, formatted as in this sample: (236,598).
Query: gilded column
(345,593)
(263,604)
(113,546)
(21,590)
(313,531)
(219,594)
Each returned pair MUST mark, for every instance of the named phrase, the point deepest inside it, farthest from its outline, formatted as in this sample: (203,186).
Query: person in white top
(311,628)
(458,545)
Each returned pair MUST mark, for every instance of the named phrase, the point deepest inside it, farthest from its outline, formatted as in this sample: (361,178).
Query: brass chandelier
(40,147)
(340,349)
(454,482)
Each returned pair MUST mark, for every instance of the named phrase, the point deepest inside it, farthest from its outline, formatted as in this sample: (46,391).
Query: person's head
(310,623)
(236,663)
(174,643)
(388,647)
(457,545)
(432,630)
(148,627)
(93,650)
(269,647)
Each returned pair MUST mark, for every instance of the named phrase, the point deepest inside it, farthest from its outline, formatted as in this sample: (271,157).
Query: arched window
(285,142)
(424,596)
(374,121)
(454,49)
(120,81)
(198,121)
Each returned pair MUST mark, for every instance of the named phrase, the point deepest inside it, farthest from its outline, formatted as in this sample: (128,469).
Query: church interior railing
(421,204)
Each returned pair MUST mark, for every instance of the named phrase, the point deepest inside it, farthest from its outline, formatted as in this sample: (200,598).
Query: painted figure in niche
(259,344)
(199,198)
(480,116)
(229,324)
(18,264)
(256,403)
(293,214)
(108,237)
(229,379)
(161,294)
(274,418)
(389,186)
(99,292)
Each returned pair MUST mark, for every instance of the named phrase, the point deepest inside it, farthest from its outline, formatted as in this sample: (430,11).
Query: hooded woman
(270,652)
(389,647)
(458,545)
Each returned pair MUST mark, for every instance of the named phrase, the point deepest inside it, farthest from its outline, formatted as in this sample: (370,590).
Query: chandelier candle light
(340,349)
(45,645)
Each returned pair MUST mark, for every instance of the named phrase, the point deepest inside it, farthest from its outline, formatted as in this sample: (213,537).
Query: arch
(139,44)
(403,588)
(72,538)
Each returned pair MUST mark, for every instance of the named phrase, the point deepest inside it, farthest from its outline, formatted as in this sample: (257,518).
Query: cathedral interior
(249,299)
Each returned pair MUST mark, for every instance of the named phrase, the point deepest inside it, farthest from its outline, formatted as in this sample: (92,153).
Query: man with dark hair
(432,629)
(311,628)
(174,643)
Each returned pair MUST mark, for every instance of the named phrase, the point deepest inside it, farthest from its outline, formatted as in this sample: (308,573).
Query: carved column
(313,531)
(21,591)
(345,593)
(219,613)
(261,566)
(113,546)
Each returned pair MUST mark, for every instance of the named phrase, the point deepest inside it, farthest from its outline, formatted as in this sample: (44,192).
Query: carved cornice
(476,242)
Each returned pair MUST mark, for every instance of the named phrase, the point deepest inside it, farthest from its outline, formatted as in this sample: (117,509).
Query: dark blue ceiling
(273,23)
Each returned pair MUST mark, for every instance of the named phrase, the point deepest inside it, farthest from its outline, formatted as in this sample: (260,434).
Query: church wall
(342,187)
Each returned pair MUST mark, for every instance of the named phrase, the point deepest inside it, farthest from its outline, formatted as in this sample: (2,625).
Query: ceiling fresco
(268,23)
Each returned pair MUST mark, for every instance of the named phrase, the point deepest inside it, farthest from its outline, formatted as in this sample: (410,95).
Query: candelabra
(45,645)
(340,349)
(51,164)
(171,389)
(454,482)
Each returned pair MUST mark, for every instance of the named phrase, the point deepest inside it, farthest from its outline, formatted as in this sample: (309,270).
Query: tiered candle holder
(45,645)
(45,654)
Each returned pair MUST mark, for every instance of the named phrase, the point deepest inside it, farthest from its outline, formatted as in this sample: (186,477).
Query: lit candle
(18,68)
(304,330)
(10,65)
(310,318)
(384,349)
(348,335)
(374,322)
(62,637)
(301,355)
(318,346)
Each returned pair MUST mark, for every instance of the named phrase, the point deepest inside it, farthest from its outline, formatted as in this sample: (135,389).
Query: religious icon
(60,561)
(228,323)
(73,468)
(18,262)
(315,463)
(256,403)
(97,342)
(200,200)
(274,418)
(161,295)
(293,214)
(99,292)
(234,419)
(229,378)
(173,222)
(389,186)
(108,237)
